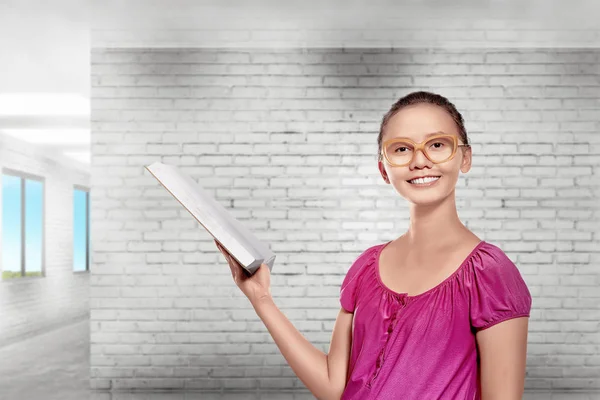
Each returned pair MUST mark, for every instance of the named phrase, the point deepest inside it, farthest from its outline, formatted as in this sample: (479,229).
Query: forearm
(308,363)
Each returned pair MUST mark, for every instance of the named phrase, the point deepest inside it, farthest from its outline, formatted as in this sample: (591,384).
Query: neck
(435,224)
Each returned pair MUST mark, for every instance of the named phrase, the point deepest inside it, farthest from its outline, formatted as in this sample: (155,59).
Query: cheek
(449,170)
(397,174)
(450,174)
(451,167)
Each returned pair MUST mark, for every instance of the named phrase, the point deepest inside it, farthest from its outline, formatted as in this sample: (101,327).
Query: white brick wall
(33,305)
(287,140)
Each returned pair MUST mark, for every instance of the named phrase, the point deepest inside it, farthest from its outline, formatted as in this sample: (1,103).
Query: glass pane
(11,226)
(87,196)
(33,227)
(79,230)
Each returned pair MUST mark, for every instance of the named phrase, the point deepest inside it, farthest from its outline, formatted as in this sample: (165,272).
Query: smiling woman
(431,306)
(418,143)
(422,316)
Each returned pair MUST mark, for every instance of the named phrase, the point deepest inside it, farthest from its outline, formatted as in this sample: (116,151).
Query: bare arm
(323,374)
(503,352)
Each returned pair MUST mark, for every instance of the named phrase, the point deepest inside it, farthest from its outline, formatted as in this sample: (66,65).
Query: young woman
(436,313)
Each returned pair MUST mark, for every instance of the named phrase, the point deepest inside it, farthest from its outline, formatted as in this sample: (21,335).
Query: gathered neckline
(405,295)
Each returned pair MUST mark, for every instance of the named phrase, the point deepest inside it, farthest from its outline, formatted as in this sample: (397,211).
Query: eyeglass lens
(437,149)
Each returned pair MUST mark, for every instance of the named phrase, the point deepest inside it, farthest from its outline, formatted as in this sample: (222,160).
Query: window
(22,225)
(81,229)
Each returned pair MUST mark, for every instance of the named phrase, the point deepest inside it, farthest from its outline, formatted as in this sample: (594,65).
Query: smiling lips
(423,180)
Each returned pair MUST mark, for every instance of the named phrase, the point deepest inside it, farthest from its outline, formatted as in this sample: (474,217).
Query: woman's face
(416,122)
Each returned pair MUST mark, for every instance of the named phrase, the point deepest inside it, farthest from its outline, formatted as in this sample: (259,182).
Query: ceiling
(45,76)
(45,45)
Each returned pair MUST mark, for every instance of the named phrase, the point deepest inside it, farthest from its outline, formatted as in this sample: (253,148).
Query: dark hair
(428,98)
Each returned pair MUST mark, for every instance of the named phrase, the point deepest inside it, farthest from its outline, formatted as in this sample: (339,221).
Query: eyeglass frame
(420,146)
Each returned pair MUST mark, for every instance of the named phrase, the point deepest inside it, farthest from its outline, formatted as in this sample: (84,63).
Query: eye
(435,145)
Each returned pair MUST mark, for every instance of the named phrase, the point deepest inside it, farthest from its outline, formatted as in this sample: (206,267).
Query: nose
(419,160)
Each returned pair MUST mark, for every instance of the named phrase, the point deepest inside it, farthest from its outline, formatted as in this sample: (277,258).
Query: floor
(55,366)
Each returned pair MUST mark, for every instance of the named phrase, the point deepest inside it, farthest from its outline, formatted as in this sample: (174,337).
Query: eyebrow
(435,133)
(426,135)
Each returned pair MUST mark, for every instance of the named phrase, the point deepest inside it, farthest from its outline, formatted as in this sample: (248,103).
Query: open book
(228,231)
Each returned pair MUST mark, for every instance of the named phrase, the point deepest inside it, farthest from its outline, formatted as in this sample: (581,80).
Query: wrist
(261,301)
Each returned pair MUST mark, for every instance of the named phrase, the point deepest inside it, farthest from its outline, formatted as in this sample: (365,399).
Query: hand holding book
(240,243)
(256,286)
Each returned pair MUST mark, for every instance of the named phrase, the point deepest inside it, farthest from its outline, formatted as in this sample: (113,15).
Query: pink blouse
(423,346)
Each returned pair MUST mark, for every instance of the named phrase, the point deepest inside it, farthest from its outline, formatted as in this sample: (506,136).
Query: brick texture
(286,139)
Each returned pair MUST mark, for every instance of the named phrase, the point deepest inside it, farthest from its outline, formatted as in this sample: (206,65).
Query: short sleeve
(498,291)
(351,282)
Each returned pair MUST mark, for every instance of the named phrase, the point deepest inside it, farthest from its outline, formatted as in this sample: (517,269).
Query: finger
(232,267)
(233,272)
(231,264)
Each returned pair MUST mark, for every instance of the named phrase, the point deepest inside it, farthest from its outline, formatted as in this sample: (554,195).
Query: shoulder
(365,258)
(353,279)
(490,258)
(497,291)
(360,264)
(493,272)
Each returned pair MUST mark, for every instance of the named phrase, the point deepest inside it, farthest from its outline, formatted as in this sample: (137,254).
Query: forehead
(420,121)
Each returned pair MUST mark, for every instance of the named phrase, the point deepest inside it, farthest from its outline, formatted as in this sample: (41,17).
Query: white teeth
(425,180)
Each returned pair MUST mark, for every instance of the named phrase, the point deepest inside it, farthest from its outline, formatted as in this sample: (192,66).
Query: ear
(382,171)
(465,164)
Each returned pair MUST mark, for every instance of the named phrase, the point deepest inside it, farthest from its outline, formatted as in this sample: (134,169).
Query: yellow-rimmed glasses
(399,152)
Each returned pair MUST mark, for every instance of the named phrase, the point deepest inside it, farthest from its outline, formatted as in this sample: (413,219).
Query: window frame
(87,228)
(42,180)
